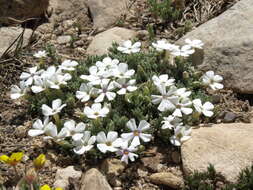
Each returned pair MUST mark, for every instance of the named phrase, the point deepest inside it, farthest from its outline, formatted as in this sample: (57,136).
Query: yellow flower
(13,160)
(45,187)
(39,162)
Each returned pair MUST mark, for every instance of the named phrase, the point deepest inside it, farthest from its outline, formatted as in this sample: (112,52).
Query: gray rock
(226,146)
(93,179)
(229,117)
(64,39)
(16,11)
(63,175)
(112,167)
(228,46)
(8,36)
(168,179)
(104,40)
(106,12)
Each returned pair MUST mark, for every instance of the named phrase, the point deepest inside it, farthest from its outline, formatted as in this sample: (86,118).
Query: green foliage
(208,180)
(164,10)
(203,180)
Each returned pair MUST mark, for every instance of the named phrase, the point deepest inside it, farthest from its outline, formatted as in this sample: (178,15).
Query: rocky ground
(73,29)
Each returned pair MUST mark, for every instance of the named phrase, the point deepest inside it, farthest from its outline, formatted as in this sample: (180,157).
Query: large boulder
(9,34)
(229,45)
(104,40)
(16,11)
(106,12)
(226,146)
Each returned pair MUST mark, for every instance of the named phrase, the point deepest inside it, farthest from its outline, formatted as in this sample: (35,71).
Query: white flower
(206,108)
(57,80)
(96,76)
(85,144)
(68,65)
(38,127)
(40,84)
(165,99)
(75,131)
(171,122)
(95,111)
(105,91)
(161,45)
(85,92)
(28,77)
(126,152)
(181,134)
(181,106)
(18,91)
(122,71)
(185,51)
(194,43)
(137,133)
(107,64)
(127,47)
(52,133)
(40,54)
(125,86)
(51,72)
(163,80)
(182,93)
(56,108)
(212,80)
(109,143)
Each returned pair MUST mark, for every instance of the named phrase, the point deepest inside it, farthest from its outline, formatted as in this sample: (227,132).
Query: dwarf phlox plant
(117,102)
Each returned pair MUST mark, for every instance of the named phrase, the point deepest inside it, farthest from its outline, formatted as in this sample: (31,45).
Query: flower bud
(39,162)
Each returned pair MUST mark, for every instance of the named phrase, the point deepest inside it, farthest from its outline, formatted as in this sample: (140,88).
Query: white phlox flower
(40,84)
(195,43)
(85,92)
(184,51)
(110,143)
(212,80)
(57,80)
(68,65)
(40,54)
(163,80)
(107,64)
(127,152)
(51,71)
(161,45)
(125,86)
(38,127)
(106,90)
(181,106)
(28,77)
(51,132)
(122,71)
(85,144)
(205,108)
(137,132)
(181,134)
(96,76)
(128,48)
(182,93)
(171,122)
(96,111)
(165,99)
(18,91)
(57,106)
(74,130)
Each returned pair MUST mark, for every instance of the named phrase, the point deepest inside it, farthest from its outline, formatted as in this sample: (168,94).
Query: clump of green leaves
(209,179)
(164,10)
